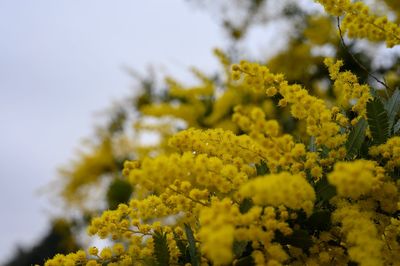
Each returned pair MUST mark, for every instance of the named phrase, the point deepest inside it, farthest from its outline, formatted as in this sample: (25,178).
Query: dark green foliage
(324,153)
(378,121)
(183,249)
(118,192)
(312,146)
(262,168)
(356,138)
(324,190)
(117,121)
(59,239)
(396,127)
(149,261)
(392,107)
(245,261)
(320,220)
(245,205)
(299,238)
(161,250)
(363,152)
(194,254)
(239,248)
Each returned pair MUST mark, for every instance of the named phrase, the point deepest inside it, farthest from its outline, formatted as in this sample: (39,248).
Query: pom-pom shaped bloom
(390,151)
(361,235)
(292,191)
(357,178)
(217,230)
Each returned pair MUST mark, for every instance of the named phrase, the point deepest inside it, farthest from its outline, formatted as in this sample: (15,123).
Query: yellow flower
(357,178)
(292,191)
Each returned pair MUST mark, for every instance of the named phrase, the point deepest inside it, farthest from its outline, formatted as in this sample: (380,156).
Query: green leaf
(245,261)
(356,138)
(239,247)
(324,151)
(245,205)
(320,220)
(378,121)
(299,238)
(117,122)
(396,127)
(393,107)
(312,146)
(262,168)
(194,255)
(183,249)
(147,261)
(161,250)
(324,190)
(373,92)
(118,192)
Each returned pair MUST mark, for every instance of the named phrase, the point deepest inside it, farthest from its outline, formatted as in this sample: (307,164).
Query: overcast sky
(60,62)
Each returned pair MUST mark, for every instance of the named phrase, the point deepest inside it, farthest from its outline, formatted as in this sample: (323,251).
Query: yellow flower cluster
(222,106)
(357,178)
(388,196)
(303,106)
(365,246)
(217,230)
(335,7)
(391,236)
(222,223)
(156,174)
(252,120)
(359,22)
(87,170)
(221,143)
(348,89)
(279,151)
(187,112)
(188,106)
(320,30)
(390,151)
(324,254)
(190,94)
(292,191)
(114,256)
(124,224)
(112,222)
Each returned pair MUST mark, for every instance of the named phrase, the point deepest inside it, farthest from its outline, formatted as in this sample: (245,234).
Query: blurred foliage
(59,239)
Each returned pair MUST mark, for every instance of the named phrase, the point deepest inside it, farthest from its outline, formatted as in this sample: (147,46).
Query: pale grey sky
(60,62)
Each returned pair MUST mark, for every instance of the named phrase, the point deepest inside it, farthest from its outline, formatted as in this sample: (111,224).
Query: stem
(355,59)
(187,196)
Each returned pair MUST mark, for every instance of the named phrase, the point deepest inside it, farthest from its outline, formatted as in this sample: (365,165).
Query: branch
(356,60)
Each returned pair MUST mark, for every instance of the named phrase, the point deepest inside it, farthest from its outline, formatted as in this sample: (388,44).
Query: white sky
(60,62)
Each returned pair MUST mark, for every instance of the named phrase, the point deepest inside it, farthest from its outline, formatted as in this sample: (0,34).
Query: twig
(187,196)
(356,60)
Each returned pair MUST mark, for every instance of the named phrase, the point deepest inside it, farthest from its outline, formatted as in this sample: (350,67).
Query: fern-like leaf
(161,250)
(393,107)
(378,121)
(356,138)
(194,256)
